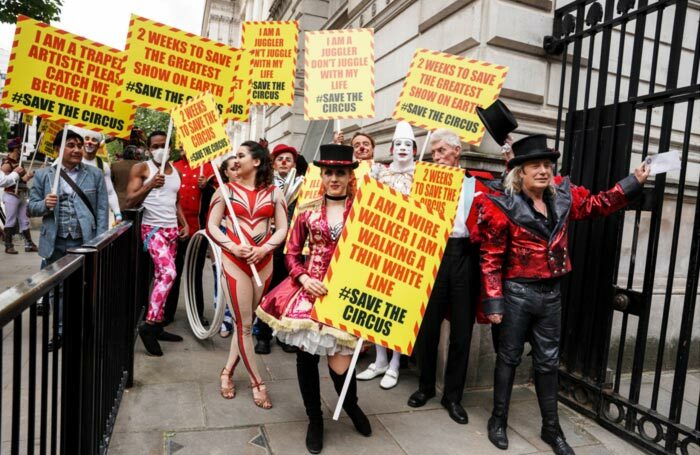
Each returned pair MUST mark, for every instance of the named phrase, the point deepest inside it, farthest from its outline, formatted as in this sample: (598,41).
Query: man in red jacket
(524,240)
(193,182)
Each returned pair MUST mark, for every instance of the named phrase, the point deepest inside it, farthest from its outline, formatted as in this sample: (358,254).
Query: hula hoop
(198,329)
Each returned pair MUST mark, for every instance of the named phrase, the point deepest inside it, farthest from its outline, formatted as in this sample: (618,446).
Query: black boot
(503,377)
(310,388)
(547,386)
(262,346)
(162,335)
(148,334)
(9,246)
(359,419)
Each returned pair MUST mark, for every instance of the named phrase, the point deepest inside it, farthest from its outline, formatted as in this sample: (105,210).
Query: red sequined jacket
(515,245)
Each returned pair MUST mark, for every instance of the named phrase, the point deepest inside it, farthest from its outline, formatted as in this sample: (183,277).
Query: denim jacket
(91,181)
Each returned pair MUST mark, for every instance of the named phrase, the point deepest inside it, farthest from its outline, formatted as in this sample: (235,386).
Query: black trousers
(453,294)
(532,312)
(534,309)
(174,296)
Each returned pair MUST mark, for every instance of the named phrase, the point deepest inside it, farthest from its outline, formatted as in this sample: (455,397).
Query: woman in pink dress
(287,308)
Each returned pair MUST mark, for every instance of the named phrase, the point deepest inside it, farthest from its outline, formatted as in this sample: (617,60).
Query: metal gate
(631,332)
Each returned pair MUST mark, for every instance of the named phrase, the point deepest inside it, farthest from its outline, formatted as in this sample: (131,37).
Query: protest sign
(166,66)
(274,48)
(310,189)
(239,99)
(383,269)
(339,74)
(363,169)
(443,90)
(28,119)
(200,130)
(102,152)
(66,78)
(438,187)
(48,131)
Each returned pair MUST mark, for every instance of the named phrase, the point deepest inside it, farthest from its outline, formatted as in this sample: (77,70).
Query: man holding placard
(453,291)
(157,193)
(75,214)
(92,143)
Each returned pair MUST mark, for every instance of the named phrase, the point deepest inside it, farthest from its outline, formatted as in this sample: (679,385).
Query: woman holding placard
(287,308)
(256,203)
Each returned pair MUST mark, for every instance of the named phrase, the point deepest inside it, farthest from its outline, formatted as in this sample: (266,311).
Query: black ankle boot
(314,436)
(310,388)
(547,387)
(162,335)
(502,388)
(148,334)
(359,419)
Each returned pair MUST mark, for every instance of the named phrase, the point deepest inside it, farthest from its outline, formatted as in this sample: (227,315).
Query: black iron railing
(36,373)
(629,68)
(73,393)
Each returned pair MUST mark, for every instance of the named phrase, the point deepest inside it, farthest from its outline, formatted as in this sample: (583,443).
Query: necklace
(336,198)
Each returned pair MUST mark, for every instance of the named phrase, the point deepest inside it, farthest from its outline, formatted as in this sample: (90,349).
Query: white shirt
(8,179)
(65,188)
(459,230)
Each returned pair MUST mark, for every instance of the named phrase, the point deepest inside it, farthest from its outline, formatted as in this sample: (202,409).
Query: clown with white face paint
(93,140)
(399,176)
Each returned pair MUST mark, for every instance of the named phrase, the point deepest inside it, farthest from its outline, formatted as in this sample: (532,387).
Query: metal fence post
(140,297)
(73,368)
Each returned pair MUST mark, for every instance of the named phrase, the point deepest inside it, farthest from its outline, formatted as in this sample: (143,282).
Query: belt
(542,286)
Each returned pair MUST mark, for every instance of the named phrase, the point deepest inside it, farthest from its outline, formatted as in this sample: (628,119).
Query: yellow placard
(274,48)
(102,152)
(239,99)
(310,189)
(363,169)
(48,131)
(200,129)
(166,66)
(66,78)
(339,74)
(28,119)
(438,187)
(443,90)
(383,269)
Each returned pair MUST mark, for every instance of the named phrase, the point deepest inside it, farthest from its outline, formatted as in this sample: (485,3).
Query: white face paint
(403,151)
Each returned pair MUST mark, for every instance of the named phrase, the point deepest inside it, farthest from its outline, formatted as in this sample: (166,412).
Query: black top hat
(336,155)
(532,148)
(498,120)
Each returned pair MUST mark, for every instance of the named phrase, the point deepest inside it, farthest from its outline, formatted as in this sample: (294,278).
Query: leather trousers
(532,309)
(533,313)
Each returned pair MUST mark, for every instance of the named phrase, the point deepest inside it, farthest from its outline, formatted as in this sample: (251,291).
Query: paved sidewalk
(175,408)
